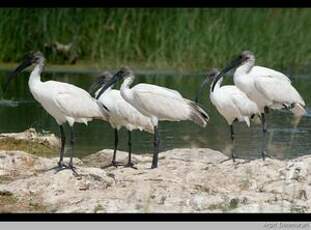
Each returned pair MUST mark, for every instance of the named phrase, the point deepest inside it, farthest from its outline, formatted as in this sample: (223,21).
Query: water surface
(19,111)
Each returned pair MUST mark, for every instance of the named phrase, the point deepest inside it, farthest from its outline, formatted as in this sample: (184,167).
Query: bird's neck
(217,85)
(104,93)
(35,75)
(246,67)
(125,88)
(127,83)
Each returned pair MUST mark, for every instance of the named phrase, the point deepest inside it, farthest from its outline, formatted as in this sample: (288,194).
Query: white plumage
(157,103)
(160,103)
(63,101)
(267,87)
(232,103)
(229,101)
(122,114)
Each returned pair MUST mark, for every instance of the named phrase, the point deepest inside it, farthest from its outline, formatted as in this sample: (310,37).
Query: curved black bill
(98,83)
(199,92)
(236,62)
(20,68)
(111,82)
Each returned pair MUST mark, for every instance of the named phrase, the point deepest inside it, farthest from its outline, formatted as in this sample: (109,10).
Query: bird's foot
(264,154)
(130,165)
(62,166)
(233,157)
(73,169)
(116,163)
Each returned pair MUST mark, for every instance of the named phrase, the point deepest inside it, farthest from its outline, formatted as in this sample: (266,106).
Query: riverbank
(187,180)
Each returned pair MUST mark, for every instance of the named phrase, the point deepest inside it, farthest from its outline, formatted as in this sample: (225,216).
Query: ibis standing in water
(157,103)
(63,101)
(268,88)
(229,101)
(122,114)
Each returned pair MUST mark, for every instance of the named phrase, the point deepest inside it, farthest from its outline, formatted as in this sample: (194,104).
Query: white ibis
(268,88)
(63,101)
(122,114)
(157,103)
(229,101)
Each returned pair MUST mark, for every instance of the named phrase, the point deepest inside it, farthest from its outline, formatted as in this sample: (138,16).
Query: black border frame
(157,3)
(232,217)
(148,217)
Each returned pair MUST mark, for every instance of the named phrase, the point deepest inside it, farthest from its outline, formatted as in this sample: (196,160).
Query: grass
(184,39)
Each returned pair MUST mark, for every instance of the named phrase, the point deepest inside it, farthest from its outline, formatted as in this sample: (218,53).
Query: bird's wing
(277,89)
(127,113)
(270,73)
(76,102)
(246,106)
(161,102)
(154,89)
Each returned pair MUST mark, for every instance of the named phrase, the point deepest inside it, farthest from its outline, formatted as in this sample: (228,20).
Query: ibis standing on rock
(268,88)
(230,101)
(63,101)
(157,103)
(122,114)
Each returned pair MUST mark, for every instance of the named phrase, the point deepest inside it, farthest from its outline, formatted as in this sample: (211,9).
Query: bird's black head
(34,57)
(210,76)
(244,57)
(123,73)
(101,80)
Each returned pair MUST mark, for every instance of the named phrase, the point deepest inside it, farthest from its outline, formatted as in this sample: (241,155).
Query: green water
(21,111)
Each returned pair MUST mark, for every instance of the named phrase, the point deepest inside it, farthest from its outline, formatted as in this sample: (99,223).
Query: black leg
(232,132)
(130,164)
(72,141)
(70,165)
(130,146)
(232,139)
(263,122)
(264,132)
(156,145)
(62,148)
(116,141)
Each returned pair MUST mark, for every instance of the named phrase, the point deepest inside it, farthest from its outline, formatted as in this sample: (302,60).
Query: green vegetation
(188,39)
(39,149)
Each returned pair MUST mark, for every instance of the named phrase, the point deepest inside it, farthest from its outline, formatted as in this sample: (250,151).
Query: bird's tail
(298,110)
(198,115)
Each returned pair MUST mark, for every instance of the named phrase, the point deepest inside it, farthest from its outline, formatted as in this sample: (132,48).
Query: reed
(186,39)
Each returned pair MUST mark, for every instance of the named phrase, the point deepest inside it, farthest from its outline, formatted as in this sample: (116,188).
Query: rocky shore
(187,180)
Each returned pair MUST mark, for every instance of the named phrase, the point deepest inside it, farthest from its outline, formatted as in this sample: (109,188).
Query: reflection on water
(19,111)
